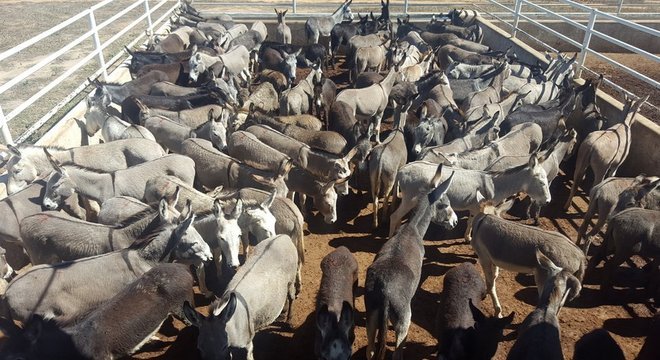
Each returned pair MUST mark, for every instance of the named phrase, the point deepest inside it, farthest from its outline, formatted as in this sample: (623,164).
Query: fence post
(405,7)
(516,17)
(585,43)
(97,43)
(5,135)
(295,6)
(618,8)
(148,11)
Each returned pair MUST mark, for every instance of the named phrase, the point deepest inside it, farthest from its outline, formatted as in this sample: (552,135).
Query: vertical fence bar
(295,6)
(5,134)
(405,7)
(618,8)
(585,43)
(150,24)
(516,17)
(97,43)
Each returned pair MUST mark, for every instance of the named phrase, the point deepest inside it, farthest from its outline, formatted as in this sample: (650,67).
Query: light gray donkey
(318,26)
(254,299)
(282,32)
(67,180)
(393,277)
(298,99)
(97,117)
(605,150)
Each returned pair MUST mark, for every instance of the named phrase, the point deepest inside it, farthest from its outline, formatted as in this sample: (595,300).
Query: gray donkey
(605,150)
(50,237)
(318,26)
(538,335)
(68,290)
(112,330)
(254,299)
(98,117)
(283,32)
(67,180)
(513,246)
(335,306)
(393,277)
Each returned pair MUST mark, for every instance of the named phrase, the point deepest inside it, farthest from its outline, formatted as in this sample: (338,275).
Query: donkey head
(21,170)
(637,195)
(218,129)
(228,232)
(281,16)
(537,186)
(442,212)
(337,335)
(197,66)
(290,62)
(213,341)
(6,271)
(347,14)
(327,202)
(59,186)
(191,247)
(260,220)
(556,285)
(631,108)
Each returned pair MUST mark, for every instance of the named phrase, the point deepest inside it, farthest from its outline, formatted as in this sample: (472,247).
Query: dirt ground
(626,314)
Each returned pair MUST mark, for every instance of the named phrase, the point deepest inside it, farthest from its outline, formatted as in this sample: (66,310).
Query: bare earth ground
(628,323)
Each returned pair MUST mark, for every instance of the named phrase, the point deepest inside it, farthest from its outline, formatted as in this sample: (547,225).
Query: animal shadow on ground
(185,345)
(635,327)
(358,244)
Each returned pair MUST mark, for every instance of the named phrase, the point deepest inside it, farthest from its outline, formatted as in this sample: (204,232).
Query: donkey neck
(388,82)
(136,228)
(96,186)
(421,219)
(158,249)
(338,14)
(506,184)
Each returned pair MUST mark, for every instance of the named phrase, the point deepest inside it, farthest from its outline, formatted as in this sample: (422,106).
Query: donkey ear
(323,320)
(441,190)
(533,161)
(14,150)
(477,315)
(229,309)
(647,189)
(480,197)
(238,210)
(346,318)
(217,207)
(269,202)
(163,209)
(54,163)
(546,263)
(192,315)
(173,199)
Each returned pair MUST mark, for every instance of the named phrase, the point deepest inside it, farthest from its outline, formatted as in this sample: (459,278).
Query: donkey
(479,135)
(67,180)
(530,178)
(216,168)
(463,331)
(385,160)
(368,58)
(633,231)
(318,26)
(335,304)
(326,166)
(245,147)
(50,238)
(250,303)
(233,62)
(643,194)
(29,162)
(513,246)
(489,95)
(140,86)
(370,102)
(598,344)
(324,195)
(298,99)
(431,129)
(97,117)
(280,61)
(112,329)
(393,277)
(539,336)
(604,151)
(66,297)
(192,118)
(282,32)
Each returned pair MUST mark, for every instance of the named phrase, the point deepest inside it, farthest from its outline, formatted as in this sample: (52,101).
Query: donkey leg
(401,331)
(468,229)
(580,168)
(491,271)
(396,217)
(372,326)
(201,277)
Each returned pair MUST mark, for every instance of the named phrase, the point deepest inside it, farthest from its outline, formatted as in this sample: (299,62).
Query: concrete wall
(645,134)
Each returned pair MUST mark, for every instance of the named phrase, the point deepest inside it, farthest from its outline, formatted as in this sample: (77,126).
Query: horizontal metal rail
(93,33)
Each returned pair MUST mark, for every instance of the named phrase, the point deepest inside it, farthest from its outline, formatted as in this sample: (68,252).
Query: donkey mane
(79,167)
(137,217)
(150,236)
(28,146)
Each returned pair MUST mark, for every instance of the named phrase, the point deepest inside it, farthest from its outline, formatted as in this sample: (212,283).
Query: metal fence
(509,13)
(144,6)
(526,10)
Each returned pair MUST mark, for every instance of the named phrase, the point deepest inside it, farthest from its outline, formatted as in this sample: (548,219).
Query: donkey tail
(382,330)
